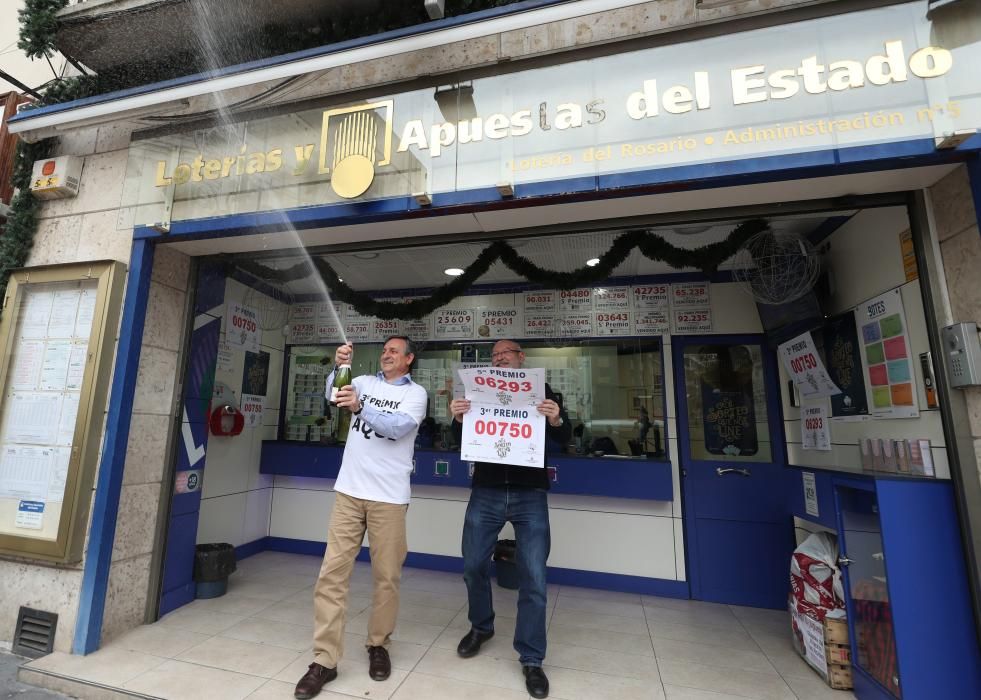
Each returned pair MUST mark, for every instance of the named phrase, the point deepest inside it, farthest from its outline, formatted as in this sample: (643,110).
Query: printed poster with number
(692,320)
(252,410)
(611,299)
(382,328)
(803,364)
(539,326)
(690,294)
(612,323)
(357,326)
(652,321)
(242,329)
(574,325)
(503,426)
(458,389)
(303,333)
(542,300)
(571,300)
(303,313)
(654,296)
(499,322)
(453,324)
(330,327)
(814,428)
(881,324)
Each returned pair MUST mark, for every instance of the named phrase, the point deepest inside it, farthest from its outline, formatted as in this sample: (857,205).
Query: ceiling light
(593,262)
(366,255)
(453,271)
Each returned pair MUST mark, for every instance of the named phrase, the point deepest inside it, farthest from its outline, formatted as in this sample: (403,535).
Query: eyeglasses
(502,353)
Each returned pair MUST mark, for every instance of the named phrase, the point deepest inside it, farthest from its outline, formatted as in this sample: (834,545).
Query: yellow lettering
(302,155)
(162,179)
(212,169)
(274,160)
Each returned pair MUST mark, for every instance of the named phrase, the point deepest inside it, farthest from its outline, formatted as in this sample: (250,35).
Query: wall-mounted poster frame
(62,463)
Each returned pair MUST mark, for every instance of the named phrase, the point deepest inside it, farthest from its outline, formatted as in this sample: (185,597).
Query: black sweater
(490,474)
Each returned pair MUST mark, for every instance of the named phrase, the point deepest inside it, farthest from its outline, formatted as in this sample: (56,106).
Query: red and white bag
(815,580)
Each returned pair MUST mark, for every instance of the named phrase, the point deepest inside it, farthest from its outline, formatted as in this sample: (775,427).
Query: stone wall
(143,500)
(956,225)
(88,227)
(642,19)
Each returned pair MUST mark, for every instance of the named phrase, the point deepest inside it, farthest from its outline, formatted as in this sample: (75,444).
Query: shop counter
(617,477)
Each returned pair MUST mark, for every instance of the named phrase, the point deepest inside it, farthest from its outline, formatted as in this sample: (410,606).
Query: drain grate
(35,632)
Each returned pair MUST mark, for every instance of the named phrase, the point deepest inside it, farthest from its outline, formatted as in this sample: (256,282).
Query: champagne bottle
(342,378)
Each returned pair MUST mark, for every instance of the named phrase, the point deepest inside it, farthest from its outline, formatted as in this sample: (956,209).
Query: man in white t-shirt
(372,494)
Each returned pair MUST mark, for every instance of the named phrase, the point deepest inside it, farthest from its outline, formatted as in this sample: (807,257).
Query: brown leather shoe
(313,680)
(379,665)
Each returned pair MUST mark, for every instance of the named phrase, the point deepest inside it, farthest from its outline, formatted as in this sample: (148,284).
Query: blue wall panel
(105,507)
(937,643)
(192,443)
(588,476)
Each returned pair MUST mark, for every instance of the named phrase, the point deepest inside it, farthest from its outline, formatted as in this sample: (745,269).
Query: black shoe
(379,664)
(536,681)
(470,644)
(313,680)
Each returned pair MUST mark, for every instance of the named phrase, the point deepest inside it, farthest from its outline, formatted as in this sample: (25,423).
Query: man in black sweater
(504,493)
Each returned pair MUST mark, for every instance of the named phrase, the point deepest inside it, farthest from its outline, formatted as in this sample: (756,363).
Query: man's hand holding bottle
(343,393)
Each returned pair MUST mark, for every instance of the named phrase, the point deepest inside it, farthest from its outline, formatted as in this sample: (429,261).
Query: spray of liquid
(209,16)
(318,281)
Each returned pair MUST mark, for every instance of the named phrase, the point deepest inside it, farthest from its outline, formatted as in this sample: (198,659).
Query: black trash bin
(505,560)
(213,563)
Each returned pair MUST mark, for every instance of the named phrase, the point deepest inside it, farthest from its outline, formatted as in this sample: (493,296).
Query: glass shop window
(612,391)
(727,416)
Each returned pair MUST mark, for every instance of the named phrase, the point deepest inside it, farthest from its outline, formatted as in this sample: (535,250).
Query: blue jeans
(527,510)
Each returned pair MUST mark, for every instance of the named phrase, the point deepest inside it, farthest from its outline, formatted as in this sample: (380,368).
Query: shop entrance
(738,538)
(692,502)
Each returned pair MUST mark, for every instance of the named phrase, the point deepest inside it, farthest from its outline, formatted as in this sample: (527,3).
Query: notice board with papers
(55,369)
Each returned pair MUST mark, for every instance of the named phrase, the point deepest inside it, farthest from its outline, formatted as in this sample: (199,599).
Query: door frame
(774,412)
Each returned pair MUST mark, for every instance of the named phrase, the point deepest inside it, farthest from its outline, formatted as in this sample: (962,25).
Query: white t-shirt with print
(377,468)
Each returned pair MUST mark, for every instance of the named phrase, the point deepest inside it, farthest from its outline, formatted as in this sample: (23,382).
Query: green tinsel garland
(18,234)
(707,258)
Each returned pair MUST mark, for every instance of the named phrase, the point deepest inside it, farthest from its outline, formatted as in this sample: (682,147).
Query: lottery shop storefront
(698,456)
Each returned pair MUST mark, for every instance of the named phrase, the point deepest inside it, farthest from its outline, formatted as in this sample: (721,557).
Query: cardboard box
(836,631)
(840,654)
(840,677)
(824,646)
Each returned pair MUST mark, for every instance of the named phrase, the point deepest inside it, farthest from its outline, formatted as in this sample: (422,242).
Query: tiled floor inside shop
(255,642)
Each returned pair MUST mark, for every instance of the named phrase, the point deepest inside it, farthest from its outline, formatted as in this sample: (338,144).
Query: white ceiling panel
(396,267)
(423,266)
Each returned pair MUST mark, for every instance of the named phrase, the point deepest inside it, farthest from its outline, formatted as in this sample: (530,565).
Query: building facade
(553,127)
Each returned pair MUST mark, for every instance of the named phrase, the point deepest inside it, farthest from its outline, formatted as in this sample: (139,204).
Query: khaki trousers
(385,524)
